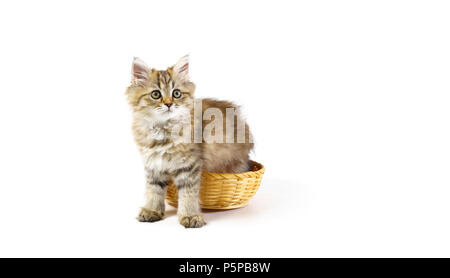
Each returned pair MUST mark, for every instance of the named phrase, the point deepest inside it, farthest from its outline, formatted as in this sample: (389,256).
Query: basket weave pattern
(224,190)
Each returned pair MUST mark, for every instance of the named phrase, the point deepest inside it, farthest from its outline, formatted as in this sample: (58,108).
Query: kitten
(162,102)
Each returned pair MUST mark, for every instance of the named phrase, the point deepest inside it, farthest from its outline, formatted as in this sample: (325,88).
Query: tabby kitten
(162,102)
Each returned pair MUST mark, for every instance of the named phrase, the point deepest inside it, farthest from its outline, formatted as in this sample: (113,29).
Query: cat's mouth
(166,110)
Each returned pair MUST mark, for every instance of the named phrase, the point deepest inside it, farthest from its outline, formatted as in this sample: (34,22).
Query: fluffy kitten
(163,101)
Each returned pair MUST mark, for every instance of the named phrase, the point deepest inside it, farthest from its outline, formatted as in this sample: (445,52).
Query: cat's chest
(147,131)
(165,157)
(160,148)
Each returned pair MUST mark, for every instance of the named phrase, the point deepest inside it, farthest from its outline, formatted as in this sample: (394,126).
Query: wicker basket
(224,190)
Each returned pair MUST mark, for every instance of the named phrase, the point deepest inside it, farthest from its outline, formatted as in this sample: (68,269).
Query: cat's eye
(156,94)
(176,93)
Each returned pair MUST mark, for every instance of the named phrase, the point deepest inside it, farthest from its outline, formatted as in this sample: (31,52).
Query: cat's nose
(168,104)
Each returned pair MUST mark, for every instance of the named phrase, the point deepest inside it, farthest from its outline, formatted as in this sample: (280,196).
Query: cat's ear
(139,71)
(181,69)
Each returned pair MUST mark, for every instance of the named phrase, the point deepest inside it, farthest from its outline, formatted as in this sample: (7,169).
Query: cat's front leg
(156,187)
(187,181)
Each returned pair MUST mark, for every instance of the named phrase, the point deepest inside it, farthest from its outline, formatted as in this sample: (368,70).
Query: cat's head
(161,94)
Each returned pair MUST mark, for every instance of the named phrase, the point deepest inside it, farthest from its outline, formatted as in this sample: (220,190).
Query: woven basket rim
(261,171)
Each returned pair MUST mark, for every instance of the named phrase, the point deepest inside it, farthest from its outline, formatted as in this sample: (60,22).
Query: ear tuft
(139,71)
(181,69)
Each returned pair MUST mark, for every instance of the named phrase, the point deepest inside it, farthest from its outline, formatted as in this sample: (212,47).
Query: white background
(348,102)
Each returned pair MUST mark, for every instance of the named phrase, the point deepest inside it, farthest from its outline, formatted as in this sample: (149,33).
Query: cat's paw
(193,221)
(147,215)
